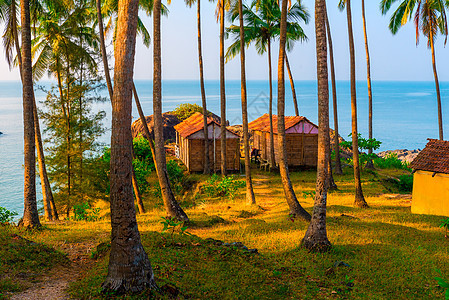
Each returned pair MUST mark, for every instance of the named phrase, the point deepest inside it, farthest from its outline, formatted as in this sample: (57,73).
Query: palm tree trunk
(129,267)
(203,93)
(250,198)
(437,86)
(103,50)
(292,84)
(172,207)
(359,198)
(338,169)
(30,214)
(222,91)
(315,238)
(296,210)
(271,156)
(368,78)
(50,211)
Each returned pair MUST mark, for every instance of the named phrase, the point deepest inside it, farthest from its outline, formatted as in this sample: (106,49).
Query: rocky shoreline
(403,155)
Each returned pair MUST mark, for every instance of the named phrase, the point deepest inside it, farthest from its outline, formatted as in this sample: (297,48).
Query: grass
(383,252)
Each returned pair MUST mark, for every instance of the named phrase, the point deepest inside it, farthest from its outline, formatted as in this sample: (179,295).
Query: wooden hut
(190,144)
(301,139)
(431,179)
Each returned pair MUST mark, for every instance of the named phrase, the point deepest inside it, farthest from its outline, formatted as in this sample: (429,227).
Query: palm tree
(430,17)
(315,238)
(292,84)
(129,267)
(338,169)
(263,26)
(296,210)
(221,15)
(30,214)
(203,91)
(359,198)
(8,15)
(250,198)
(172,207)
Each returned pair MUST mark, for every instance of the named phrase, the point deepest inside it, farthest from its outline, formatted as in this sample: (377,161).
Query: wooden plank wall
(196,155)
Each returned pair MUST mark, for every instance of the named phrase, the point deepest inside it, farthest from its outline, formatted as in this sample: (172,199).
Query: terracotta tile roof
(433,158)
(263,123)
(193,124)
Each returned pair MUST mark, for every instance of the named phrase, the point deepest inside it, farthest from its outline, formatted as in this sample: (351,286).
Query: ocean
(405,115)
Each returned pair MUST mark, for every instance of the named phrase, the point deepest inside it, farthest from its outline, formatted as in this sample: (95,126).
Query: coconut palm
(315,238)
(203,91)
(8,15)
(221,8)
(262,27)
(296,210)
(250,198)
(30,214)
(334,99)
(359,200)
(430,18)
(129,267)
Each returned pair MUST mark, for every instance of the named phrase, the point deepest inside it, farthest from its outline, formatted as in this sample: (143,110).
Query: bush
(364,144)
(405,183)
(390,161)
(6,216)
(83,212)
(217,186)
(185,110)
(176,176)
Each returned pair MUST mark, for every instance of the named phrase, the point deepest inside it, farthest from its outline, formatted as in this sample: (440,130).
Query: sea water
(405,115)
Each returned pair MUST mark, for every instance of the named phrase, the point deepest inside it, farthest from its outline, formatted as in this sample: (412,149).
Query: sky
(393,58)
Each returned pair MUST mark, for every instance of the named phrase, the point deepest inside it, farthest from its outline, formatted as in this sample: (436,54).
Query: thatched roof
(433,158)
(169,120)
(263,123)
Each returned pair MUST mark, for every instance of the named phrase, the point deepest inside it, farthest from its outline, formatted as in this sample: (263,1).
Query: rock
(403,155)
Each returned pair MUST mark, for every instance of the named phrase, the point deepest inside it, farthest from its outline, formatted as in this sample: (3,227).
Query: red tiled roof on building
(193,124)
(433,158)
(263,123)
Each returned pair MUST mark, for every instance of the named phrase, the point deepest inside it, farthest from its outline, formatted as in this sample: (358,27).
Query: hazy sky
(392,57)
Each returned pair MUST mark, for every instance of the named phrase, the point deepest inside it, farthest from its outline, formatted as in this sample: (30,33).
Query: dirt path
(53,286)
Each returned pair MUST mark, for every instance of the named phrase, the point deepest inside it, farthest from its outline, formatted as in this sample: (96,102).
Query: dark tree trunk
(129,267)
(250,198)
(271,156)
(315,238)
(30,214)
(296,210)
(222,91)
(171,206)
(292,84)
(103,50)
(203,93)
(359,198)
(338,169)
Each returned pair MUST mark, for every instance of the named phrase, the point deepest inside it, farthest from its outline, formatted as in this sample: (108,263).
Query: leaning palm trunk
(203,94)
(222,91)
(296,210)
(292,84)
(437,85)
(249,184)
(30,214)
(338,169)
(368,79)
(129,267)
(172,207)
(272,157)
(50,212)
(359,198)
(315,238)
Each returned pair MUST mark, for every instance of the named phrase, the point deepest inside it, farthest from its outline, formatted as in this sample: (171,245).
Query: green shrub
(364,144)
(176,176)
(405,183)
(185,110)
(390,161)
(217,186)
(6,216)
(83,212)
